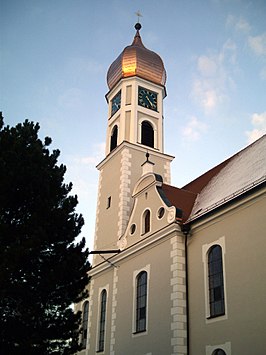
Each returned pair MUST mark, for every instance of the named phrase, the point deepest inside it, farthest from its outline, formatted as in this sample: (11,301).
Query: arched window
(102,320)
(216,281)
(141,302)
(147,134)
(113,143)
(146,221)
(85,316)
(219,352)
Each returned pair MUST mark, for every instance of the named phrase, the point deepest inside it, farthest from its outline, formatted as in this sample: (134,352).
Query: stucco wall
(243,326)
(163,261)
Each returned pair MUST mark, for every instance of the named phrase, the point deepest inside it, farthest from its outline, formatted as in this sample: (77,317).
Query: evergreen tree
(43,271)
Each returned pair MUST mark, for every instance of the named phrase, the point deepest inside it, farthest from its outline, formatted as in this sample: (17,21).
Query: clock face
(116,102)
(147,98)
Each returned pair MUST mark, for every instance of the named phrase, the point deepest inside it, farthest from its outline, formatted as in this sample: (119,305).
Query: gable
(148,199)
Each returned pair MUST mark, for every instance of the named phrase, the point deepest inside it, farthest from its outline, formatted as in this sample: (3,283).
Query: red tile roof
(226,181)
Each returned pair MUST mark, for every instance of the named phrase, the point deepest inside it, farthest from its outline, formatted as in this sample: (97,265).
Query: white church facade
(176,270)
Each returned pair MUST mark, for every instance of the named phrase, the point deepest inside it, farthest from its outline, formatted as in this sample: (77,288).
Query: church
(175,270)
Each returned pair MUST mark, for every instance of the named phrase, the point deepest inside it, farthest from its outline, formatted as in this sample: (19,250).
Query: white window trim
(99,315)
(155,130)
(135,274)
(157,213)
(205,249)
(226,347)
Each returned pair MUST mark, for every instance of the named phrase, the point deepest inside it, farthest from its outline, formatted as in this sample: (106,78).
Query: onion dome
(137,60)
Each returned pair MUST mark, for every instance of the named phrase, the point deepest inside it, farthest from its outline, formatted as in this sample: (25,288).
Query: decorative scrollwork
(171,215)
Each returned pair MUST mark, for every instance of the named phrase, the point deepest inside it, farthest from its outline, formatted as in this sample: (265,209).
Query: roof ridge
(199,182)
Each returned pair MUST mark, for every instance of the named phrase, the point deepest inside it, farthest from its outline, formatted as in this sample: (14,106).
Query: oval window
(133,229)
(219,352)
(161,212)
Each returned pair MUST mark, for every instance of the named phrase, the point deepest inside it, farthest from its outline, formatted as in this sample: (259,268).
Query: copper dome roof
(137,60)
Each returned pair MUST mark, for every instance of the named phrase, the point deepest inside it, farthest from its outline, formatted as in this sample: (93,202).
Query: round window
(218,352)
(161,212)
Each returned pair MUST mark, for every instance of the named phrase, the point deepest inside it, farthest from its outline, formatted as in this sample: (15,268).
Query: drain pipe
(186,231)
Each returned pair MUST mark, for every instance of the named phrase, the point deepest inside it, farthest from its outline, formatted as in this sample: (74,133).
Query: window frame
(85,319)
(216,281)
(141,301)
(146,222)
(149,138)
(205,250)
(226,347)
(102,322)
(114,137)
(217,351)
(135,331)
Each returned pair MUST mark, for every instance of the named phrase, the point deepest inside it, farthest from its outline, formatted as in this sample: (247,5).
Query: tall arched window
(113,143)
(216,281)
(85,316)
(102,320)
(147,134)
(141,302)
(146,221)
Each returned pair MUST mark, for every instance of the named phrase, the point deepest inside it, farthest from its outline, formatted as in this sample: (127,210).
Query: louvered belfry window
(114,136)
(147,134)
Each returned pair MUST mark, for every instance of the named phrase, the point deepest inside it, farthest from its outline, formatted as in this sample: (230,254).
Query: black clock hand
(149,100)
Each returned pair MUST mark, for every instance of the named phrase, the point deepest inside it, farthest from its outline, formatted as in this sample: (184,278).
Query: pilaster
(178,297)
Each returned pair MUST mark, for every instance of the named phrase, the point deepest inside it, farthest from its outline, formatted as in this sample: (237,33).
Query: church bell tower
(136,81)
(137,225)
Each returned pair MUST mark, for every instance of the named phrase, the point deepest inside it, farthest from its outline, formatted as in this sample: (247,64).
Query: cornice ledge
(140,148)
(219,211)
(148,242)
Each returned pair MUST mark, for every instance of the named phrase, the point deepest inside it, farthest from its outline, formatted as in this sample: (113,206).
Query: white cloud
(238,23)
(206,94)
(213,79)
(194,129)
(258,121)
(207,66)
(258,44)
(95,158)
(228,52)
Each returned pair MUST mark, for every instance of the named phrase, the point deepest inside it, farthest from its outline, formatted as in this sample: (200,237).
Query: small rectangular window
(108,202)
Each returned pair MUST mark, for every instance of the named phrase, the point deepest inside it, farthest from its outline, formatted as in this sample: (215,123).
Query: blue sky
(55,56)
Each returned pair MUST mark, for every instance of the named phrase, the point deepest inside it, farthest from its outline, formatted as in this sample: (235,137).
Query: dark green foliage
(42,270)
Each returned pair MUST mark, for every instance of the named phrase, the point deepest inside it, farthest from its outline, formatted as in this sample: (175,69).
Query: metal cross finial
(138,14)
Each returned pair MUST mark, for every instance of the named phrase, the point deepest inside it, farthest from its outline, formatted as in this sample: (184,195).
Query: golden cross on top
(138,14)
